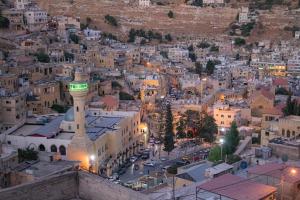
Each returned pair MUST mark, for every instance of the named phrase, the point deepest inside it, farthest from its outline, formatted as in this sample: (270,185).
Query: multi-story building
(9,82)
(91,34)
(244,15)
(286,127)
(213,2)
(22,4)
(178,54)
(12,110)
(225,115)
(44,95)
(8,161)
(36,19)
(261,100)
(15,17)
(144,3)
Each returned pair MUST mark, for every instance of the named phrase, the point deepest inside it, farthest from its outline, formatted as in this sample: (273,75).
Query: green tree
(181,127)
(111,20)
(42,57)
(168,37)
(198,3)
(203,45)
(214,48)
(74,38)
(125,96)
(199,68)
(169,134)
(289,107)
(4,22)
(215,154)
(232,139)
(59,108)
(68,56)
(170,14)
(239,41)
(282,91)
(27,154)
(208,128)
(210,67)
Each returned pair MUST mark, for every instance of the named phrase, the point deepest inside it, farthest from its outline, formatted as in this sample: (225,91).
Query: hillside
(188,21)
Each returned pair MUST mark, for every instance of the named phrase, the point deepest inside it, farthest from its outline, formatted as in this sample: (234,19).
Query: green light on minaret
(77,87)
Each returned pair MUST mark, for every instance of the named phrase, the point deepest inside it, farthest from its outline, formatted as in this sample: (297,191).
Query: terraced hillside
(188,20)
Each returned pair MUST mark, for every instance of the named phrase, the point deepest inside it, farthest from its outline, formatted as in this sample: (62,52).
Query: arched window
(288,133)
(42,147)
(53,148)
(62,150)
(283,132)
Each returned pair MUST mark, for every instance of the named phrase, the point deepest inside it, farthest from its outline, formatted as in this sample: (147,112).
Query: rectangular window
(77,126)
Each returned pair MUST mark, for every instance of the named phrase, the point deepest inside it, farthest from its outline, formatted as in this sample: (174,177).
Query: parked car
(182,162)
(163,158)
(145,156)
(133,159)
(150,164)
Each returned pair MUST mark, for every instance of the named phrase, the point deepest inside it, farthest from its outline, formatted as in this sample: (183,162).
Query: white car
(133,159)
(150,164)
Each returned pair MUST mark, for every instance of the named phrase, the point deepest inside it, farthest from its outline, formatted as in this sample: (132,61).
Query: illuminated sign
(75,87)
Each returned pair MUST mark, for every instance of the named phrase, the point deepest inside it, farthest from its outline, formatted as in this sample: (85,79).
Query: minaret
(80,148)
(79,90)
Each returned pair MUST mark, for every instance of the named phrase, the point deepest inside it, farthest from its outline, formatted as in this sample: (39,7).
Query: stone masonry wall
(60,187)
(92,187)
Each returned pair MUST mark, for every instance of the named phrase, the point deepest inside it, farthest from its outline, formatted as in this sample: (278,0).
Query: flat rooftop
(42,168)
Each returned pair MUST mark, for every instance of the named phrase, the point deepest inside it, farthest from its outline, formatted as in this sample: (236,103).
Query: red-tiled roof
(280,82)
(277,170)
(236,187)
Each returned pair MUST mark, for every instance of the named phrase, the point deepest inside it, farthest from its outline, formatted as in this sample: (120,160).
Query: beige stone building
(13,111)
(261,100)
(45,94)
(9,82)
(225,115)
(286,127)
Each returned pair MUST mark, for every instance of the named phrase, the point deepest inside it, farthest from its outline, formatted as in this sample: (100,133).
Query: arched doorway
(53,148)
(42,147)
(62,150)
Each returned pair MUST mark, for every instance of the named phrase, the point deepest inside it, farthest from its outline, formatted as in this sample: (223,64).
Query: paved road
(132,174)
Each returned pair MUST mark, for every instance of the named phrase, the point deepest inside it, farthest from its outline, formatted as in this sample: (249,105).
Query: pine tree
(181,126)
(232,139)
(169,134)
(199,68)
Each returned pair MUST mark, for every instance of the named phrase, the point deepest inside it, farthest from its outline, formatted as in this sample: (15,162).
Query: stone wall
(71,185)
(92,187)
(58,187)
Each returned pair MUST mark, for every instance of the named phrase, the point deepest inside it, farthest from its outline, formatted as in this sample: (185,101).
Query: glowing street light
(293,171)
(92,157)
(221,140)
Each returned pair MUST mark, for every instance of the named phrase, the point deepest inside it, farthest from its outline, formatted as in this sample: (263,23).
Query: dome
(69,116)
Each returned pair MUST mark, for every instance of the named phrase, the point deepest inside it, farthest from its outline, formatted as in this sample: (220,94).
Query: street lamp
(221,142)
(293,171)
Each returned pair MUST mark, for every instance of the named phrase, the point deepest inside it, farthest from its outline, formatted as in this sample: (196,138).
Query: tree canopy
(232,139)
(208,128)
(169,134)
